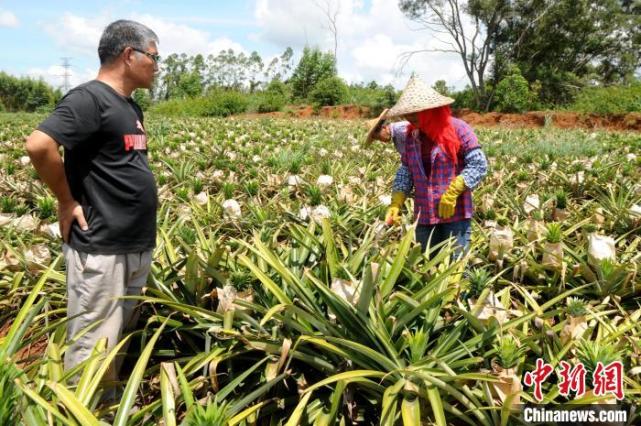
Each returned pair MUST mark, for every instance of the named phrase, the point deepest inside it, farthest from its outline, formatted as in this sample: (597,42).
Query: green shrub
(223,103)
(180,107)
(465,99)
(372,96)
(216,104)
(609,100)
(513,93)
(274,97)
(329,91)
(142,98)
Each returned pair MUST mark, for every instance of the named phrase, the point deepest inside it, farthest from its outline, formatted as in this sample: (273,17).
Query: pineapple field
(278,296)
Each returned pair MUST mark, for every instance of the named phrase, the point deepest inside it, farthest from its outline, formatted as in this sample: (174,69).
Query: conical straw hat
(417,96)
(373,126)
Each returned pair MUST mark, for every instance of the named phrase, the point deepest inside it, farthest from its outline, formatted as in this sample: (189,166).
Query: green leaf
(348,376)
(128,397)
(167,396)
(44,404)
(436,402)
(297,414)
(246,413)
(267,282)
(21,323)
(89,371)
(389,411)
(54,363)
(185,389)
(330,249)
(86,393)
(257,393)
(367,291)
(398,263)
(75,407)
(234,384)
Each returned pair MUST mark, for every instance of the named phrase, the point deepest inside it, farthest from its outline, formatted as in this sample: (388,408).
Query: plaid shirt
(472,165)
(398,132)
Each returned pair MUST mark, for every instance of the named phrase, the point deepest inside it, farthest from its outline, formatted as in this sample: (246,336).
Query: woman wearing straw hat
(378,130)
(442,161)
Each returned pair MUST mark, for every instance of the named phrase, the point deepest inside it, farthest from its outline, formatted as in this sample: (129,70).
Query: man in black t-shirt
(107,197)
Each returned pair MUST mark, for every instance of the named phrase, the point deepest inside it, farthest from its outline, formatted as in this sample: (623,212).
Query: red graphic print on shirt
(136,142)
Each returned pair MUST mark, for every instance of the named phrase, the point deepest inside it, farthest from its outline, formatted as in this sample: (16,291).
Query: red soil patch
(29,353)
(344,112)
(533,119)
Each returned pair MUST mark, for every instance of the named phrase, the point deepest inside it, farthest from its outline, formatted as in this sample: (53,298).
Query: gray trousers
(95,282)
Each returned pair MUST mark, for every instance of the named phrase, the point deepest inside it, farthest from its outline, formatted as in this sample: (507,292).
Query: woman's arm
(475,168)
(403,181)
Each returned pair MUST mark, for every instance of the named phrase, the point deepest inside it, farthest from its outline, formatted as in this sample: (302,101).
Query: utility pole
(66,65)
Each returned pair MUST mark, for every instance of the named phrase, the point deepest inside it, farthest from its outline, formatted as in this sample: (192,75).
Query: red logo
(605,379)
(609,379)
(135,142)
(537,377)
(572,379)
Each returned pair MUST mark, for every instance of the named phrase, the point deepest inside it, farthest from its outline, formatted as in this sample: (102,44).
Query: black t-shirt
(105,158)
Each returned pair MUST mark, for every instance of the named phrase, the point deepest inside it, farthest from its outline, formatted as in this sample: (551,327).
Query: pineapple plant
(553,248)
(508,388)
(575,323)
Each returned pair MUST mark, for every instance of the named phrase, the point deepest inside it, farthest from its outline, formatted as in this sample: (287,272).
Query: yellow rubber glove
(393,215)
(448,199)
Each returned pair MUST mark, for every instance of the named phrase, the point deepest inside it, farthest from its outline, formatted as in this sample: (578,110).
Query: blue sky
(35,35)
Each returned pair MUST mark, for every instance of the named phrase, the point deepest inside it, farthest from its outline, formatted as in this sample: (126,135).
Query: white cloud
(76,33)
(54,75)
(370,40)
(279,27)
(8,19)
(81,35)
(178,38)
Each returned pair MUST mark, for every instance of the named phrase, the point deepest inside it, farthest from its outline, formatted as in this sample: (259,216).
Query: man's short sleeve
(74,120)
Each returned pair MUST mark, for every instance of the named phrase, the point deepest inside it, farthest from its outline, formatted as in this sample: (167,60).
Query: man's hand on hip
(67,214)
(43,151)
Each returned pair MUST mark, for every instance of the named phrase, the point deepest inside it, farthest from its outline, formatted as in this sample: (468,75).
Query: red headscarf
(436,124)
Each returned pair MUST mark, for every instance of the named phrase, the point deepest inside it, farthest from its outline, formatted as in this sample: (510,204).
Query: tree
(189,85)
(279,67)
(559,44)
(441,87)
(313,67)
(446,20)
(173,67)
(576,42)
(26,94)
(331,12)
(227,70)
(254,65)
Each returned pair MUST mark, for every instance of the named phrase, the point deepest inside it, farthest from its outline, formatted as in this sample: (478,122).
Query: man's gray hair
(120,34)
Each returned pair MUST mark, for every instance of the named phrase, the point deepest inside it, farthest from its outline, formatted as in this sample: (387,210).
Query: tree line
(518,55)
(26,94)
(532,54)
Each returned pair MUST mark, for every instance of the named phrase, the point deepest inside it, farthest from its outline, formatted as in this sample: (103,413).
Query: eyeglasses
(154,56)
